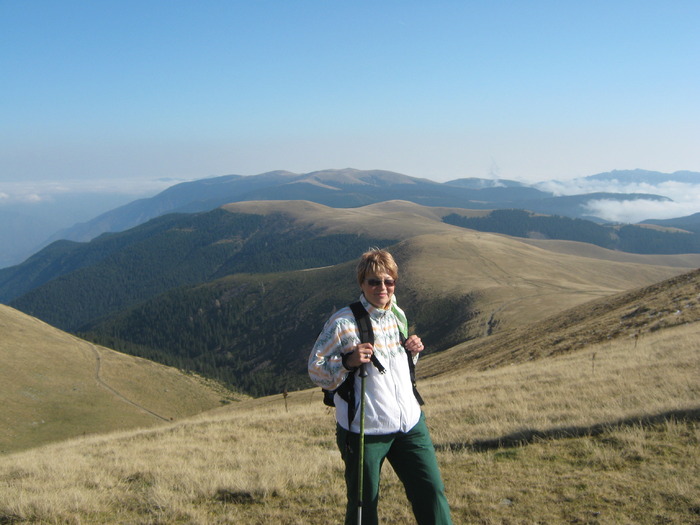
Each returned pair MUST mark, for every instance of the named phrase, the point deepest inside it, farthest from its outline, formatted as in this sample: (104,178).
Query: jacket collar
(373,310)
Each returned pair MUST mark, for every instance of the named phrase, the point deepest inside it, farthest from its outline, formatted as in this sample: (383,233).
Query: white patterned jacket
(390,405)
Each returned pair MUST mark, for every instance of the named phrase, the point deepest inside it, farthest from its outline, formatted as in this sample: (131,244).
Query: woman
(394,424)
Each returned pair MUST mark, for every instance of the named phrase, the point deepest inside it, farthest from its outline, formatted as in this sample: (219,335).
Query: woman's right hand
(360,355)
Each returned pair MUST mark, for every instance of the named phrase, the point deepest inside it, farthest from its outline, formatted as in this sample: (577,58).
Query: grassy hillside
(628,316)
(627,238)
(116,271)
(456,285)
(603,432)
(55,386)
(691,223)
(236,294)
(242,330)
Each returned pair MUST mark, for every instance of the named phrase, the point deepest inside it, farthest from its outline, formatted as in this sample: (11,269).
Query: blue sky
(124,92)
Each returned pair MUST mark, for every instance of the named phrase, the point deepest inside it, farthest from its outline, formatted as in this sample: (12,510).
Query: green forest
(627,238)
(174,251)
(229,296)
(254,332)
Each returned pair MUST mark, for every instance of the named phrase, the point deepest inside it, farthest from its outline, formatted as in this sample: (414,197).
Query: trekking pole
(361,455)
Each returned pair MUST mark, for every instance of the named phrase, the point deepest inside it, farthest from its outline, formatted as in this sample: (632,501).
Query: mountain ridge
(476,280)
(323,186)
(65,256)
(211,292)
(361,187)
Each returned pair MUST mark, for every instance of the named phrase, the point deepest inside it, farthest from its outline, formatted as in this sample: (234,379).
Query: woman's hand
(414,345)
(360,355)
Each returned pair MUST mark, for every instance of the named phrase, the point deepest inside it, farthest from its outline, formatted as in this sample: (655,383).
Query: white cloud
(34,197)
(639,210)
(685,198)
(48,191)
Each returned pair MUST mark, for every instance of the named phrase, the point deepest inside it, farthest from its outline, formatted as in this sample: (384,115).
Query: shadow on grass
(528,436)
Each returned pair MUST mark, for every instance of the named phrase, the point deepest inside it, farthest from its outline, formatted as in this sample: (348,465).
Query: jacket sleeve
(338,336)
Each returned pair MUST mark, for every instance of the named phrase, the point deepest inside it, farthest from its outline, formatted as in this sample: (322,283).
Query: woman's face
(378,289)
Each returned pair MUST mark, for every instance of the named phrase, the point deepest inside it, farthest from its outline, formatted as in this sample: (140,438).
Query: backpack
(346,390)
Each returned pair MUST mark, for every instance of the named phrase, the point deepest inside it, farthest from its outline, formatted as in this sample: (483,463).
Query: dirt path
(100,381)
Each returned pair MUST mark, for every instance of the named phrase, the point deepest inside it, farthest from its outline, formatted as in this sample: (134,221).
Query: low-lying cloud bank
(49,191)
(684,198)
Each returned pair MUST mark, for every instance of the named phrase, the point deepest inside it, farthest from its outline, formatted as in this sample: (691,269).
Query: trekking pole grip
(363,370)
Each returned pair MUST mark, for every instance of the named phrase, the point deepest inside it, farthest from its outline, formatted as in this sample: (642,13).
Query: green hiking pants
(412,457)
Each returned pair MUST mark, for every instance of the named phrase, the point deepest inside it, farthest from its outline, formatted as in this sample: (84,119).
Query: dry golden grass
(50,382)
(569,421)
(613,440)
(515,284)
(629,315)
(55,386)
(441,260)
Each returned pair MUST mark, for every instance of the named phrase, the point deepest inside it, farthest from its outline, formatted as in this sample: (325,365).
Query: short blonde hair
(376,261)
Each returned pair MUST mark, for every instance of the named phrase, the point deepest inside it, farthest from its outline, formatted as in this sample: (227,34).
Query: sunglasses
(378,282)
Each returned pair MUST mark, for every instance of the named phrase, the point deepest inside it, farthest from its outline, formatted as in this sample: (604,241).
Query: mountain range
(239,293)
(22,236)
(468,294)
(349,188)
(545,356)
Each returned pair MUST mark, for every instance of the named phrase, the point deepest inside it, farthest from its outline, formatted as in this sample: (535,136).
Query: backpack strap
(366,334)
(412,370)
(346,390)
(403,334)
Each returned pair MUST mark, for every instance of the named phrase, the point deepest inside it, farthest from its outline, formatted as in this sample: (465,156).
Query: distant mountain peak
(640,176)
(476,183)
(355,176)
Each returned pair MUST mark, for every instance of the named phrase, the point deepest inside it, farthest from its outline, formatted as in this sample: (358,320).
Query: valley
(559,376)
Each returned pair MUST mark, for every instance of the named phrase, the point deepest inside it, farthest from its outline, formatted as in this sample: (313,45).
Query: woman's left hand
(414,344)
